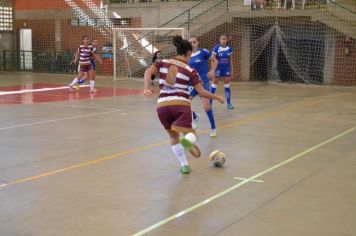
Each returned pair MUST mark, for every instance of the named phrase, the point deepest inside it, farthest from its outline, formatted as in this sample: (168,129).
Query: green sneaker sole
(185,170)
(191,147)
(186,144)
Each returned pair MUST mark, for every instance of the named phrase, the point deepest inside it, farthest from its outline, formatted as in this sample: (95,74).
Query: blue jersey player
(199,60)
(222,52)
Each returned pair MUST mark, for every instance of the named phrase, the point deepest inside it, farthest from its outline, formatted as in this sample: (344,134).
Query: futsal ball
(217,158)
(191,137)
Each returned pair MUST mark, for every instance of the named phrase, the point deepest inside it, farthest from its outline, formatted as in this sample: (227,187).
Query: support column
(329,57)
(57,33)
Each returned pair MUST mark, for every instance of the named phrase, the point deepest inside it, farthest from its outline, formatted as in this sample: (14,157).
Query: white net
(287,40)
(133,49)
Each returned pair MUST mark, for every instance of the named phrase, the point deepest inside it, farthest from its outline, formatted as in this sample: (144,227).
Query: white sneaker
(70,87)
(195,122)
(213,133)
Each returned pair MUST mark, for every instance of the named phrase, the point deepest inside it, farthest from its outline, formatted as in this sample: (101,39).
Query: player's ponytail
(182,46)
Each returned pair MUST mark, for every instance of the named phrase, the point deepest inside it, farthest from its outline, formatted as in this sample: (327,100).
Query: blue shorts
(223,71)
(193,92)
(93,65)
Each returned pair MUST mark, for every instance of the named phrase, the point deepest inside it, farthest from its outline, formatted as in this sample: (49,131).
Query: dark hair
(154,58)
(183,46)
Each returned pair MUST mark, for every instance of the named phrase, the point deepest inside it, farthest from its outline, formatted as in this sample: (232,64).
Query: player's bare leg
(178,151)
(91,75)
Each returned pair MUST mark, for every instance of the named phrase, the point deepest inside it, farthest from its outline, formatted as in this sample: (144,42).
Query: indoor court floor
(100,164)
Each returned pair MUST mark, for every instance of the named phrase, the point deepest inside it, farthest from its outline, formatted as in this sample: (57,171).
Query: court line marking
(60,119)
(264,115)
(246,120)
(80,106)
(35,90)
(252,178)
(91,162)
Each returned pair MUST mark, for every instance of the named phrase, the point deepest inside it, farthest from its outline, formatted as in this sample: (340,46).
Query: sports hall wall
(333,61)
(50,24)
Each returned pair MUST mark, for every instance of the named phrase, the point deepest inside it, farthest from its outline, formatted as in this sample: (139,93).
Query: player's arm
(195,81)
(98,58)
(152,70)
(205,94)
(76,58)
(213,66)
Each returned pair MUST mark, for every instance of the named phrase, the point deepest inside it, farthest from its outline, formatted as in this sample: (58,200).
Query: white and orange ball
(217,158)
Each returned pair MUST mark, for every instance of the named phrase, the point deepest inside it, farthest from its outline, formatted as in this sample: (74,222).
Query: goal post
(133,49)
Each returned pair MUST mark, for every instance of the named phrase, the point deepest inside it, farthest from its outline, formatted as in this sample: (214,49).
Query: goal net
(133,49)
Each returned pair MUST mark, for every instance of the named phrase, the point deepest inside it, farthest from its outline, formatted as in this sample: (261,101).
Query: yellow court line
(91,162)
(264,115)
(243,182)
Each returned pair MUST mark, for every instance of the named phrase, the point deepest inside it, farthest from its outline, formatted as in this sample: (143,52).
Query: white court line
(252,180)
(243,182)
(35,90)
(55,120)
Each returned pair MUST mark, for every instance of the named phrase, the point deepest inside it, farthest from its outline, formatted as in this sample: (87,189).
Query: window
(6,17)
(99,22)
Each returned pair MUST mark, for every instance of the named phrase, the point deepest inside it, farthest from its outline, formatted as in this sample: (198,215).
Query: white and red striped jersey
(171,92)
(85,53)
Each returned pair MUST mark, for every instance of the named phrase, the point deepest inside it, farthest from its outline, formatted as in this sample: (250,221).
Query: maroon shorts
(176,117)
(85,68)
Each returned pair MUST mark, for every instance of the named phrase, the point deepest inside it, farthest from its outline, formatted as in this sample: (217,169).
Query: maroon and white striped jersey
(174,90)
(85,53)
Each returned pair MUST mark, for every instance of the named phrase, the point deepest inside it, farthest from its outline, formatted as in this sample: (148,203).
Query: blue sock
(81,81)
(227,95)
(194,115)
(210,114)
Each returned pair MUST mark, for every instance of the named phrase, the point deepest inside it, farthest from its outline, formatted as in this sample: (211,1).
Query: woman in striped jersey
(173,106)
(84,53)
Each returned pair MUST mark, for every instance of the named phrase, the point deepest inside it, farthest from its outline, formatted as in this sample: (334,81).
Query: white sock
(178,150)
(74,82)
(92,83)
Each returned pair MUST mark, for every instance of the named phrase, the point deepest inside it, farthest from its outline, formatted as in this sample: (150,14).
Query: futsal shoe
(185,169)
(213,133)
(93,91)
(77,87)
(195,122)
(230,106)
(190,147)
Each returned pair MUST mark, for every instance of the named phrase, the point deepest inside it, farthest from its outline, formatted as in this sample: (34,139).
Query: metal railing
(46,62)
(343,7)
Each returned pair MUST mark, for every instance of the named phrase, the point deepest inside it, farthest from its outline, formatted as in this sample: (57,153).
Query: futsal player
(173,105)
(200,62)
(83,55)
(222,52)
